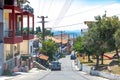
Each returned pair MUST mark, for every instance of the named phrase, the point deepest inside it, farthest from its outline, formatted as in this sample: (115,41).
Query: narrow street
(68,72)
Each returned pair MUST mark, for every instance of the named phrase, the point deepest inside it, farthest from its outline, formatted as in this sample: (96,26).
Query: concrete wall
(88,70)
(6,22)
(1,57)
(31,47)
(1,42)
(24,47)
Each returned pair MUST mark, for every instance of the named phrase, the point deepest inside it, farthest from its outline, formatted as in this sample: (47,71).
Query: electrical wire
(80,12)
(39,1)
(43,7)
(49,8)
(67,25)
(63,11)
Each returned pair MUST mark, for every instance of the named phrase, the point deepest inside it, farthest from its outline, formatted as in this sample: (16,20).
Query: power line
(88,10)
(39,1)
(43,7)
(63,11)
(80,12)
(67,25)
(50,6)
(71,24)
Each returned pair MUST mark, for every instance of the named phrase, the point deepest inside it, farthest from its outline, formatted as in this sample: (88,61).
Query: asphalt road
(68,72)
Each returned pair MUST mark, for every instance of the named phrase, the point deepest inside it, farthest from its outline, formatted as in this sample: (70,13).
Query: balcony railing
(25,32)
(31,32)
(18,33)
(17,53)
(10,33)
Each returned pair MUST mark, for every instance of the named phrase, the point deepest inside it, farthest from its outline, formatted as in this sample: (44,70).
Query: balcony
(27,35)
(12,40)
(28,32)
(13,18)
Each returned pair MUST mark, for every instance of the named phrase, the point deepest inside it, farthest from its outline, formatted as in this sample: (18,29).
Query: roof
(44,57)
(57,40)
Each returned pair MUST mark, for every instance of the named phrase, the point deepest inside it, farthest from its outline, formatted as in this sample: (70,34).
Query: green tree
(78,45)
(38,29)
(48,33)
(49,48)
(39,33)
(100,36)
(117,41)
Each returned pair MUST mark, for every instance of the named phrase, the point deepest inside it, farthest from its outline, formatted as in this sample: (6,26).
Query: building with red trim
(17,26)
(1,37)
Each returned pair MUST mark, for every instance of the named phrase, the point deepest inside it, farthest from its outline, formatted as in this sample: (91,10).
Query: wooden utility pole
(43,26)
(61,41)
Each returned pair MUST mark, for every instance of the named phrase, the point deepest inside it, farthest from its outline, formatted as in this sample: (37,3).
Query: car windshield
(55,63)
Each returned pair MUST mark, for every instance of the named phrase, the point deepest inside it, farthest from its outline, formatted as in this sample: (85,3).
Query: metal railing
(10,33)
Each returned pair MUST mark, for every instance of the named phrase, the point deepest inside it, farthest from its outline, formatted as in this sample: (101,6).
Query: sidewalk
(88,70)
(21,74)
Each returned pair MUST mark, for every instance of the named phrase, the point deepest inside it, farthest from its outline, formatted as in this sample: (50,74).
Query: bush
(7,72)
(119,61)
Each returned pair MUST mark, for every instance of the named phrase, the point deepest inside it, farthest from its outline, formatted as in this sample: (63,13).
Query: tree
(49,48)
(38,29)
(48,33)
(39,33)
(100,36)
(78,45)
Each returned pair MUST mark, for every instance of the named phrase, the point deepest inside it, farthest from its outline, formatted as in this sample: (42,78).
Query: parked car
(73,57)
(55,65)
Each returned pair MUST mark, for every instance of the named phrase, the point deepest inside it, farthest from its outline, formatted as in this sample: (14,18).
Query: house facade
(28,31)
(1,37)
(15,36)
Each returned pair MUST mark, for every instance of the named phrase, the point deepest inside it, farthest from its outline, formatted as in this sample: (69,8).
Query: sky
(71,14)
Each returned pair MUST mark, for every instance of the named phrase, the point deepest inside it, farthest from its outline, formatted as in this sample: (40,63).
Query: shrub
(119,61)
(7,72)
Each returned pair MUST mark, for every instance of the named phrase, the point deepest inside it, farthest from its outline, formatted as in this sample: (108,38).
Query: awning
(44,57)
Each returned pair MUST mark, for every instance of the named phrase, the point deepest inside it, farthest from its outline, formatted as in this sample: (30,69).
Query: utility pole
(68,44)
(73,39)
(43,26)
(61,41)
(61,34)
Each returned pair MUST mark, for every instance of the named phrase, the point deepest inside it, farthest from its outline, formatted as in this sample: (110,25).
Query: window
(8,2)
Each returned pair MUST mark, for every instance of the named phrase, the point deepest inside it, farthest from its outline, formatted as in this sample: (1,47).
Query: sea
(74,33)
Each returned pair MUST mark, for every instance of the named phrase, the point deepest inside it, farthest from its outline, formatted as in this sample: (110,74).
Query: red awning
(44,57)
